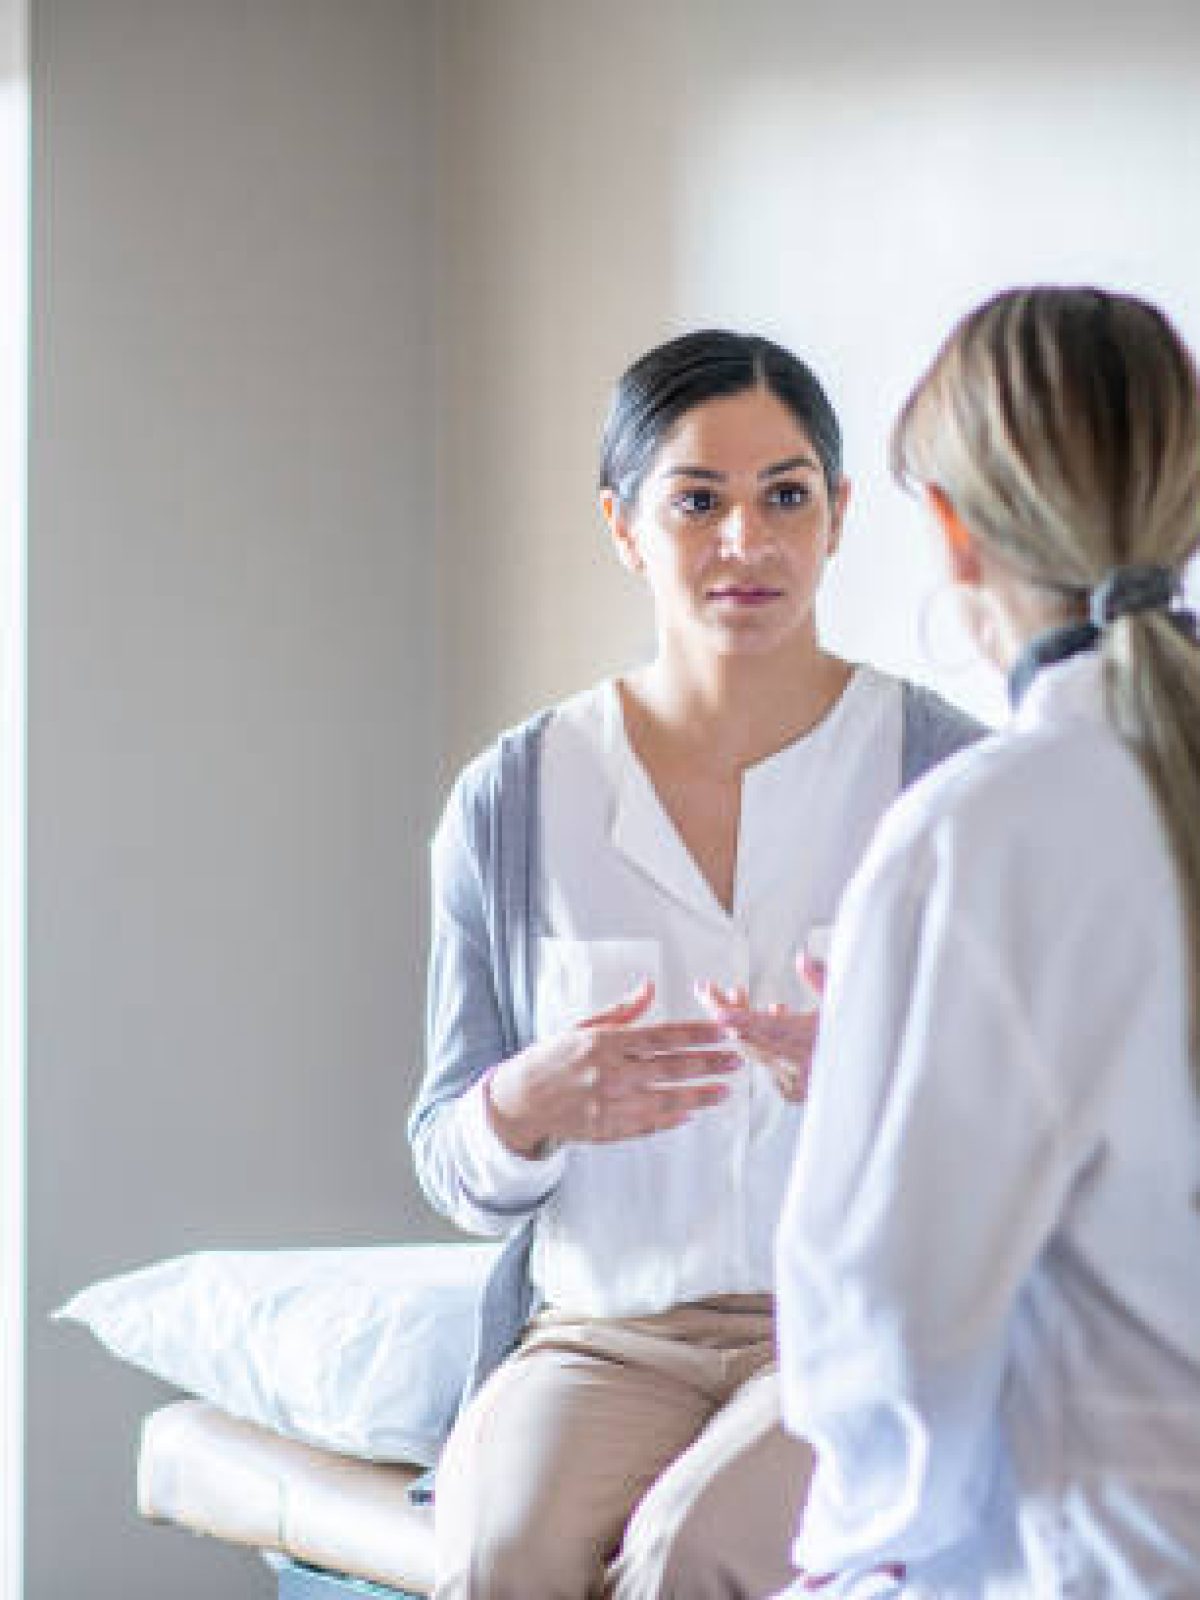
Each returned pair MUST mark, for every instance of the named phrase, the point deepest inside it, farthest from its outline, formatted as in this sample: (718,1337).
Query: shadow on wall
(562,151)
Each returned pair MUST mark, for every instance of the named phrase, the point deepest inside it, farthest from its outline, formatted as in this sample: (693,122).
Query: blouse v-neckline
(644,832)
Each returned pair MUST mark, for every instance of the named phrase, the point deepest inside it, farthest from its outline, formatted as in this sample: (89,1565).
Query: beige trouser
(633,1458)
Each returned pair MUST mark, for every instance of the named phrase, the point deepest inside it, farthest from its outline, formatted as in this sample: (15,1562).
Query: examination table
(333,1526)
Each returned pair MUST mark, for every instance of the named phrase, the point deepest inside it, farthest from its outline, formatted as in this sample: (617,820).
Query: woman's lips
(745,594)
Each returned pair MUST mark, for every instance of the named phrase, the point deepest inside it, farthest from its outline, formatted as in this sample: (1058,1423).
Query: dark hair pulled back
(672,379)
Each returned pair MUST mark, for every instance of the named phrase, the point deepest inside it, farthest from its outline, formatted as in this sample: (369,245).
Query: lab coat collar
(1058,644)
(1064,691)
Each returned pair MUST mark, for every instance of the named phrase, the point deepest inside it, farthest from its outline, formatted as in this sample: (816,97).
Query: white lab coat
(989,1259)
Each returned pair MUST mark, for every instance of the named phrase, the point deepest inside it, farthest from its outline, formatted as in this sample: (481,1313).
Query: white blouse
(634,1227)
(989,1260)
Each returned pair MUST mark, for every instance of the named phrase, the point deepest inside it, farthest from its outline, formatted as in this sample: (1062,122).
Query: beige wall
(557,170)
(232,702)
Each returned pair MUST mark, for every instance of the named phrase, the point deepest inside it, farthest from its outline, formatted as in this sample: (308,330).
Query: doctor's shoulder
(1000,797)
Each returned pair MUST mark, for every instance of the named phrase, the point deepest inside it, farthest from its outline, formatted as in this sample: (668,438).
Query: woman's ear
(957,539)
(620,531)
(837,515)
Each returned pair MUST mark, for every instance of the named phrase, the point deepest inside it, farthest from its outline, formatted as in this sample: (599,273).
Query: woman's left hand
(779,1039)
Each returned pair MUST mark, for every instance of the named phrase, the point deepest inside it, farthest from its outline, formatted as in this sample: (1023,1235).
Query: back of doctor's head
(1064,426)
(665,383)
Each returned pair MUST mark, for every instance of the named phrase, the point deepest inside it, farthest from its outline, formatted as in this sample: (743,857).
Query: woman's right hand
(608,1078)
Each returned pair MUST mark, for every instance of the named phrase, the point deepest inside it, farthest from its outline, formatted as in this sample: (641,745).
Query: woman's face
(732,526)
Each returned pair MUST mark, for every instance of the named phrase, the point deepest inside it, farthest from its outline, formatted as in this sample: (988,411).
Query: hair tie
(1126,590)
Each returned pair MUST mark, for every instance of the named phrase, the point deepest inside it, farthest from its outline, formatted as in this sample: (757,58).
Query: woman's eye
(696,502)
(790,495)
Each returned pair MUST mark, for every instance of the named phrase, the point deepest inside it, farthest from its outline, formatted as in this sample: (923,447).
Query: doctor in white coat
(989,1259)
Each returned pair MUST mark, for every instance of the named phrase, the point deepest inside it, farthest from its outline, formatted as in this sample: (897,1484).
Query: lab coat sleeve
(930,1171)
(464,1168)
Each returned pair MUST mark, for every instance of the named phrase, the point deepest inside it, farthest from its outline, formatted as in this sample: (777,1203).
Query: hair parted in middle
(667,382)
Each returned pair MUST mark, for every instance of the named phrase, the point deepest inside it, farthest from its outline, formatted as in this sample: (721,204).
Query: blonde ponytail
(1064,425)
(1153,685)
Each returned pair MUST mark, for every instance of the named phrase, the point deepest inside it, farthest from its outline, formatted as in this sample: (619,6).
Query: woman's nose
(742,531)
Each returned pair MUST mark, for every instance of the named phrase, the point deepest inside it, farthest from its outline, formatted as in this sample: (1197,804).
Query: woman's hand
(608,1078)
(779,1039)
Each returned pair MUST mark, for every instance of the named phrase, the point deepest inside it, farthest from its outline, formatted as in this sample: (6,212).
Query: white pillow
(362,1351)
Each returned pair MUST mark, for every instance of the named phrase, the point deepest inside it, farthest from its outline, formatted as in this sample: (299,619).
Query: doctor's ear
(958,541)
(620,531)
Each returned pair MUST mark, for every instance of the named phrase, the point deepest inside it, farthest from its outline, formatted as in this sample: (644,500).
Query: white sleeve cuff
(494,1175)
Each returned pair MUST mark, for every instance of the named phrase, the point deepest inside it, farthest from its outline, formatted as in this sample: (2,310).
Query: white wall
(232,697)
(849,179)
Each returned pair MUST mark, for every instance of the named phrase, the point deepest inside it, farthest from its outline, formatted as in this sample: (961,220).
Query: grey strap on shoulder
(515,846)
(932,730)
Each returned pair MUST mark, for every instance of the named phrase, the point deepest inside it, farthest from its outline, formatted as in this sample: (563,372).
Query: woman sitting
(697,816)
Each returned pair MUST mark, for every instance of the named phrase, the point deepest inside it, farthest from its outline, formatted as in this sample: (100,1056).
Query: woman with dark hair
(695,818)
(989,1262)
